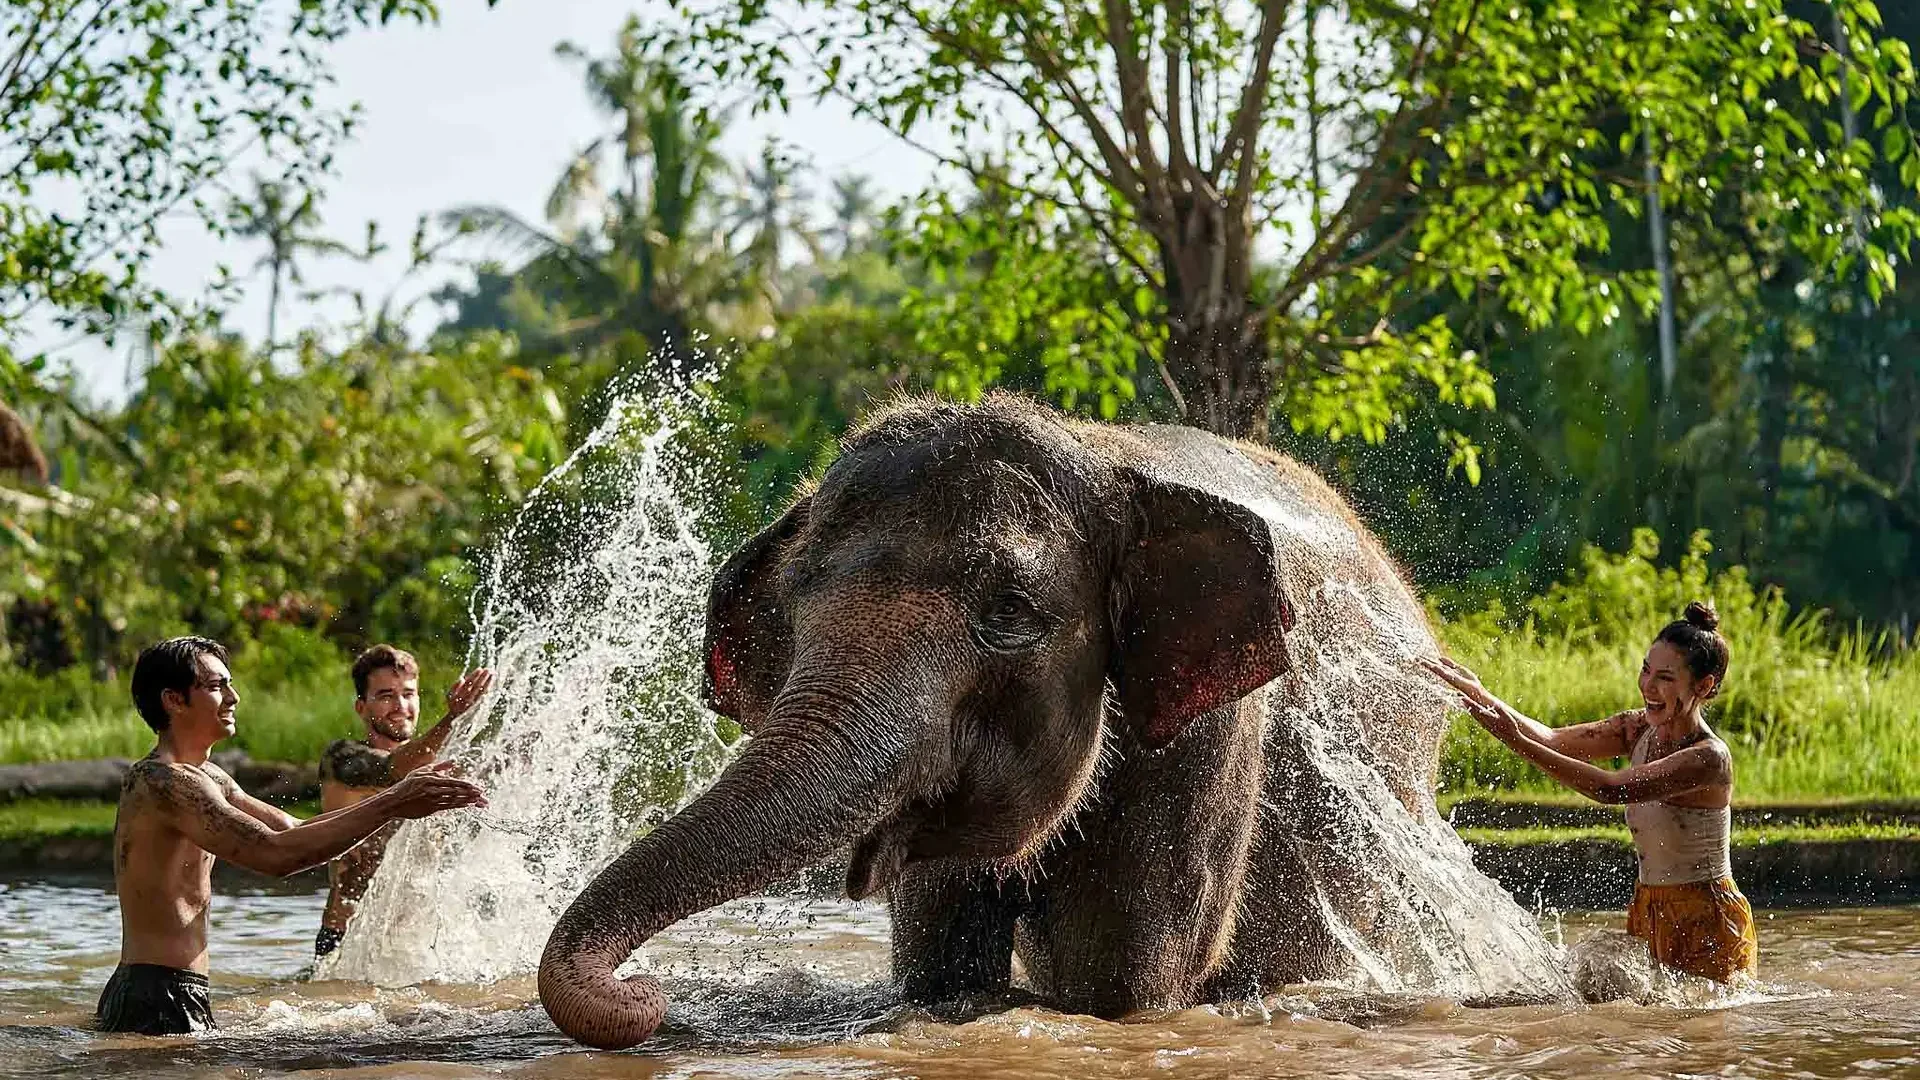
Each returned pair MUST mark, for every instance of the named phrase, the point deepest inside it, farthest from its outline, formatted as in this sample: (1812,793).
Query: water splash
(591,618)
(1394,885)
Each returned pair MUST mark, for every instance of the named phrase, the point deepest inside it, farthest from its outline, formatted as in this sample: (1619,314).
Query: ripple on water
(778,987)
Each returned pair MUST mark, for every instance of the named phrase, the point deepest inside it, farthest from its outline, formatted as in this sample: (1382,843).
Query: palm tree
(626,253)
(273,215)
(853,205)
(771,209)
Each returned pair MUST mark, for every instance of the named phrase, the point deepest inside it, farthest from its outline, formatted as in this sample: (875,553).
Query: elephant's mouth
(922,831)
(1005,831)
(878,857)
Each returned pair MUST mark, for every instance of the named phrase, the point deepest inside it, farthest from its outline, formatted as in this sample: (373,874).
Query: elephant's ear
(1198,613)
(749,640)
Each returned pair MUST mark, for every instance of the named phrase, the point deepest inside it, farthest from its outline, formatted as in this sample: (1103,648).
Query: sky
(475,110)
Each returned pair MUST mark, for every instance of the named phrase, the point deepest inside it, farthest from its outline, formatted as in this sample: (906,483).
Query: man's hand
(461,698)
(430,790)
(465,693)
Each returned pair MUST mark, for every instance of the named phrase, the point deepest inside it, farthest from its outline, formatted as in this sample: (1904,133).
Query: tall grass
(295,697)
(1810,712)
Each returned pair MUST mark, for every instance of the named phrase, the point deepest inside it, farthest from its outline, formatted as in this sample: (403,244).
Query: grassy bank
(1812,713)
(33,819)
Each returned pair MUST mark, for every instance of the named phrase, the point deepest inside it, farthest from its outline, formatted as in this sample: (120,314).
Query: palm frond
(503,226)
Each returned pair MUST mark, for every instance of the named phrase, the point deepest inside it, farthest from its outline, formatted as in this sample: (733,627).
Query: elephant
(1059,688)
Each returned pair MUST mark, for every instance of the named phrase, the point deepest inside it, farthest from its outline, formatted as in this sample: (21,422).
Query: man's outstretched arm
(194,804)
(421,749)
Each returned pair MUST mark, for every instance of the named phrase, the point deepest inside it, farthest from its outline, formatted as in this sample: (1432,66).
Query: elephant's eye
(1010,623)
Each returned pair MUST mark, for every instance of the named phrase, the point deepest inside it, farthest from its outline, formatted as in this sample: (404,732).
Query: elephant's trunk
(822,770)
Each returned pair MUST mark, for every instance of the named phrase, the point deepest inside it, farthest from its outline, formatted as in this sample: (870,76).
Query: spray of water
(590,616)
(1395,885)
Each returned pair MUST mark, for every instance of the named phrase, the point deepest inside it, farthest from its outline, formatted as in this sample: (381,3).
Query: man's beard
(389,729)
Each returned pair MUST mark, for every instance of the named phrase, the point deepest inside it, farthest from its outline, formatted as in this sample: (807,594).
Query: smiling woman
(1678,791)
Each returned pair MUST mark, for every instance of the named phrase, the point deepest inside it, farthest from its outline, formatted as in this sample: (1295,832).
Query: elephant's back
(1318,536)
(1360,627)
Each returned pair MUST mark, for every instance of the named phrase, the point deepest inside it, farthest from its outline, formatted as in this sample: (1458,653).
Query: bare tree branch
(1126,178)
(39,84)
(30,47)
(1374,190)
(1240,145)
(1179,162)
(1102,221)
(1137,110)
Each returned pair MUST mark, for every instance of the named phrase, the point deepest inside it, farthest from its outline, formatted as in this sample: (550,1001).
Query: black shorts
(149,999)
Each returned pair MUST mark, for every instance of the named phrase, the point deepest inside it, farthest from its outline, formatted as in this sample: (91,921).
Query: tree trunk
(1662,266)
(273,307)
(1216,353)
(1222,376)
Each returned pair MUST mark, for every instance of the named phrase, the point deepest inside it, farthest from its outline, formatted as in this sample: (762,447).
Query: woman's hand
(1489,711)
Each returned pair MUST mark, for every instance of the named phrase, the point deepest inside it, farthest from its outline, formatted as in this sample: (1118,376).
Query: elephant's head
(931,650)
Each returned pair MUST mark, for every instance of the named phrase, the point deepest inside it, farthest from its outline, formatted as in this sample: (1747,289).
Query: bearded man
(386,687)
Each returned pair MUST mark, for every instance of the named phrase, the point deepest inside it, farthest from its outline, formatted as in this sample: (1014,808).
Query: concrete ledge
(1478,813)
(1588,874)
(86,858)
(1573,875)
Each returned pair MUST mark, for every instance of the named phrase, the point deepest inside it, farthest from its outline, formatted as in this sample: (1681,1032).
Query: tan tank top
(1678,845)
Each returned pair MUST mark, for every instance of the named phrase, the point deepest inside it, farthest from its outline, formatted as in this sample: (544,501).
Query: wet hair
(379,658)
(1697,635)
(172,664)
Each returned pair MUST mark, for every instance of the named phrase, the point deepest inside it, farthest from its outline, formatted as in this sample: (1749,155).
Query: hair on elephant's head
(931,649)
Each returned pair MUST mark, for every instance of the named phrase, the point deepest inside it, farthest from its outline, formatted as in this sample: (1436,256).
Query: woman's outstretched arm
(1596,740)
(1704,765)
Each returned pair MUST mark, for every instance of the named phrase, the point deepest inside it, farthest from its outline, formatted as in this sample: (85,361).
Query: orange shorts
(1703,928)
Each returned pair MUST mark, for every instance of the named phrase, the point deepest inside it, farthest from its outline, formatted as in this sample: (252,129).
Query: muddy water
(796,987)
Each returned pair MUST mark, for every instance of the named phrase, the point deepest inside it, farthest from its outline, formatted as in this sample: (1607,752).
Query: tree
(18,452)
(113,115)
(1486,138)
(634,256)
(854,207)
(771,210)
(328,491)
(286,220)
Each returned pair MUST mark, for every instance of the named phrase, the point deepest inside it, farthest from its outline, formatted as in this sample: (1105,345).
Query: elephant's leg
(1283,935)
(1141,908)
(953,931)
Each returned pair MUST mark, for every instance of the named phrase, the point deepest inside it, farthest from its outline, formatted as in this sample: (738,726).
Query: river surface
(791,987)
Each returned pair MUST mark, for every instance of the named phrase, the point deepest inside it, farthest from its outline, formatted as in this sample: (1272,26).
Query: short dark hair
(1697,635)
(169,665)
(379,658)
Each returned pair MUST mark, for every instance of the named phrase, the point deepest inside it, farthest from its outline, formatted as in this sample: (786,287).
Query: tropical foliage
(114,116)
(1522,281)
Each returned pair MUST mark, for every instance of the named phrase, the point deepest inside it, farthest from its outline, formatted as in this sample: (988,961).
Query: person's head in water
(182,688)
(1685,665)
(386,686)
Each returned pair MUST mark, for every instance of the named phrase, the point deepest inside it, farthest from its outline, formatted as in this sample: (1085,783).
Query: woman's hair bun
(1700,613)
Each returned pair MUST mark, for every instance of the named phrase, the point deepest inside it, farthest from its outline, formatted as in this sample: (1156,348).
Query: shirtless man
(180,811)
(386,686)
